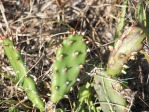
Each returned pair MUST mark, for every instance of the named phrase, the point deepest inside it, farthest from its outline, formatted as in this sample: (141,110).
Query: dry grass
(37,28)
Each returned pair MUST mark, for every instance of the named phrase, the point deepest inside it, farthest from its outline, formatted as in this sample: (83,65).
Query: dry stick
(29,70)
(4,17)
(2,29)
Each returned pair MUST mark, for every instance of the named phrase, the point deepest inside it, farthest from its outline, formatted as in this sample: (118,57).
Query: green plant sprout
(22,76)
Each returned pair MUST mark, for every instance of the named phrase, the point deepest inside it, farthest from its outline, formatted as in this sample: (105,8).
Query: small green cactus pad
(28,84)
(109,92)
(85,101)
(131,41)
(69,59)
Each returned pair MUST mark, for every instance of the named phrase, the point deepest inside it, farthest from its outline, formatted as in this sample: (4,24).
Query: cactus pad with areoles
(22,76)
(111,92)
(131,41)
(70,58)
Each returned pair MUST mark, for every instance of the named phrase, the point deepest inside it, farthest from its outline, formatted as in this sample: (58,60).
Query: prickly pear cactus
(109,93)
(21,72)
(85,99)
(131,41)
(69,60)
(110,90)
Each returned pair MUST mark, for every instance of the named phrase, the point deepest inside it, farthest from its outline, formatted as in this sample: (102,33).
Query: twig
(4,17)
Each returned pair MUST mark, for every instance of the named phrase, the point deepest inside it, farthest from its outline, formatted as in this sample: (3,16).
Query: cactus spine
(21,72)
(106,85)
(69,59)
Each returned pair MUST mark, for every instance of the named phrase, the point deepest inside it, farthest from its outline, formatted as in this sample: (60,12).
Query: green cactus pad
(111,98)
(131,41)
(109,95)
(28,84)
(69,59)
(15,59)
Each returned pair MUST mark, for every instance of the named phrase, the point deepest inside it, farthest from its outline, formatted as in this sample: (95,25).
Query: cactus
(69,60)
(130,42)
(21,72)
(110,90)
(85,99)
